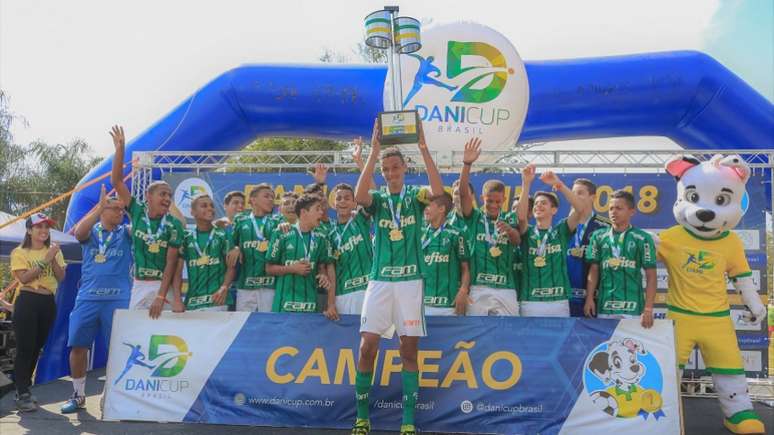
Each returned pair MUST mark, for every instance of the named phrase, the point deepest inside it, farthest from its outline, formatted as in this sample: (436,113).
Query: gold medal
(576,252)
(614,262)
(263,246)
(540,261)
(651,401)
(495,252)
(204,260)
(336,255)
(100,258)
(154,248)
(396,235)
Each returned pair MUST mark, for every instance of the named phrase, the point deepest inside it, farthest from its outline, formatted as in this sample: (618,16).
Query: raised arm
(573,219)
(362,196)
(436,185)
(117,174)
(357,157)
(83,229)
(470,155)
(522,211)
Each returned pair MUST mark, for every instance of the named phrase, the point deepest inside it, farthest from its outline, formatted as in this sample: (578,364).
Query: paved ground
(702,417)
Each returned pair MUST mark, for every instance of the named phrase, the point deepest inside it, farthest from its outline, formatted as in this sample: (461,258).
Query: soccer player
(233,204)
(204,250)
(545,285)
(577,265)
(350,239)
(618,255)
(493,239)
(252,231)
(287,207)
(106,284)
(393,298)
(298,258)
(156,235)
(446,271)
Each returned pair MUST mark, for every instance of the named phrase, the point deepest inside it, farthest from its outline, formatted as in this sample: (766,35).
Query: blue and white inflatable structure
(686,96)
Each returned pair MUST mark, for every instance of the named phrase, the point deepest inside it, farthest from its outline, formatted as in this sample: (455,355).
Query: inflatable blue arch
(685,95)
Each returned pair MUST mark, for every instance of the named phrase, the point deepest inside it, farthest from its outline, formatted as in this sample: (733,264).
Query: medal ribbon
(396,211)
(102,245)
(258,231)
(153,237)
(340,236)
(307,250)
(615,246)
(209,239)
(542,246)
(579,232)
(427,240)
(491,238)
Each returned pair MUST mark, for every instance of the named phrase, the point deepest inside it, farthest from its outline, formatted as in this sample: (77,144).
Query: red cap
(39,218)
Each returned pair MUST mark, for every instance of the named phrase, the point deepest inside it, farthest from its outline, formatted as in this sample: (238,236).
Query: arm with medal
(550,178)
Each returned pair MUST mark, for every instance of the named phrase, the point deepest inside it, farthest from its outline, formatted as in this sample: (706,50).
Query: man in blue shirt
(106,284)
(577,267)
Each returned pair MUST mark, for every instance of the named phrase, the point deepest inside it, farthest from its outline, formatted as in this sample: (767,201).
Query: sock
(362,387)
(410,395)
(79,385)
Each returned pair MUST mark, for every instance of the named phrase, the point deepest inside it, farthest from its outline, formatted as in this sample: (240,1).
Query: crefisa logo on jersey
(624,380)
(466,79)
(157,374)
(187,190)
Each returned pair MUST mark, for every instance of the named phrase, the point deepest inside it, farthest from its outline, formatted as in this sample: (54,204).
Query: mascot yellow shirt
(699,268)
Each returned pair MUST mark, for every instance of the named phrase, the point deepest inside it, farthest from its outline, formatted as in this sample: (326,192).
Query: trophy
(397,35)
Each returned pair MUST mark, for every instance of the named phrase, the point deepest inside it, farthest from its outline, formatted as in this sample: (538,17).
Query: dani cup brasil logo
(187,190)
(466,80)
(166,357)
(624,380)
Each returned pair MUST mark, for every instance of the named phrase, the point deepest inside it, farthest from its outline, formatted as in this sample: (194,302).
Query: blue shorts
(90,317)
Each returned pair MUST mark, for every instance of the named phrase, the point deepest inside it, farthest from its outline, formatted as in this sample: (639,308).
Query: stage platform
(702,417)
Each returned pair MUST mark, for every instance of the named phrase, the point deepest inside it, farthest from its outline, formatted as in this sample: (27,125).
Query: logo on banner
(166,358)
(624,380)
(467,79)
(187,190)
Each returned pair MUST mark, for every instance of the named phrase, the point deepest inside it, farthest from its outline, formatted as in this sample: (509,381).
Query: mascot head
(711,196)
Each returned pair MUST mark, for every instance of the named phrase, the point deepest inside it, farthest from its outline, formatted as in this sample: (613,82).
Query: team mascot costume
(700,254)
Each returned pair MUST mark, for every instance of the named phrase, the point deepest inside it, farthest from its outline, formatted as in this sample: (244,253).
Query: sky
(72,69)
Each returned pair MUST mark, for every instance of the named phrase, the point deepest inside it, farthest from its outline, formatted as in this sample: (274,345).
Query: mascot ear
(677,166)
(738,165)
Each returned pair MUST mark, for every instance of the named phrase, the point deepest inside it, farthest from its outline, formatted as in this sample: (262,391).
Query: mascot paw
(745,422)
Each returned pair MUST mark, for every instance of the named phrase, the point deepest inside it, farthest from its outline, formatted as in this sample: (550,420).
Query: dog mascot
(700,254)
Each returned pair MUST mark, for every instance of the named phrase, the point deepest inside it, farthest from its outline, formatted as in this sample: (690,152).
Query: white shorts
(350,303)
(213,308)
(258,300)
(545,309)
(489,301)
(394,306)
(618,316)
(144,293)
(439,311)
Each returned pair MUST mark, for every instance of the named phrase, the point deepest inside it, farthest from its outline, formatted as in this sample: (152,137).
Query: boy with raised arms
(545,285)
(393,299)
(156,238)
(493,238)
(618,255)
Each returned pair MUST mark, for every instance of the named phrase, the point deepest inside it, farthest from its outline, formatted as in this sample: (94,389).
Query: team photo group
(393,254)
